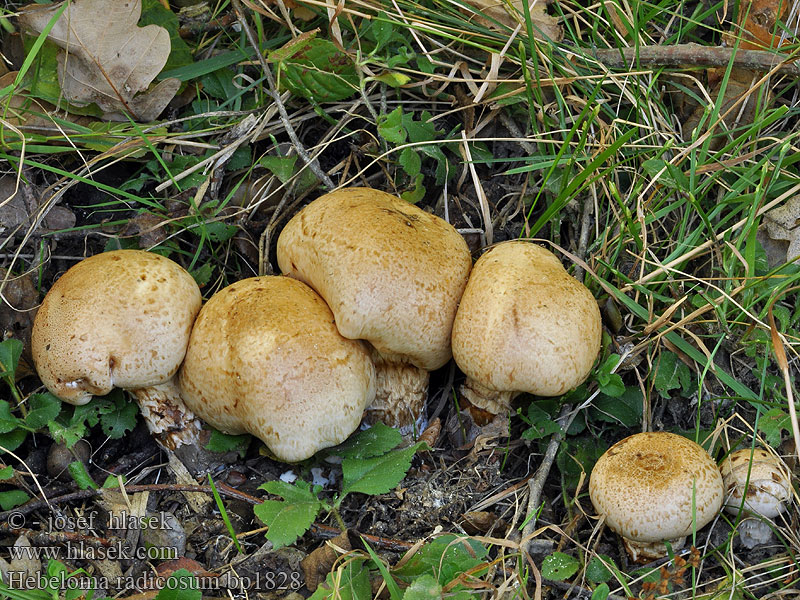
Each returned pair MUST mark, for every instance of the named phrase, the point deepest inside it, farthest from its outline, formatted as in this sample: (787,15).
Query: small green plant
(446,564)
(50,585)
(369,466)
(181,585)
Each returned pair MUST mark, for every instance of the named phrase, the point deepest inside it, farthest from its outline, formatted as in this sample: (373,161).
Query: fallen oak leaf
(108,61)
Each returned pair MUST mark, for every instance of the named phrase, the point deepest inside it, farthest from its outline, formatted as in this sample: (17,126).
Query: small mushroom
(655,487)
(120,319)
(265,358)
(760,485)
(393,275)
(523,325)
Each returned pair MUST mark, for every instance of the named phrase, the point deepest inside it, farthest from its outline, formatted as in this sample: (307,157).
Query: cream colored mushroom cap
(524,324)
(768,482)
(116,319)
(392,273)
(649,486)
(265,358)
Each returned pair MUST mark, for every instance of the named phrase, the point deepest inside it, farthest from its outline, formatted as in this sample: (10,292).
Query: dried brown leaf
(511,13)
(107,59)
(783,223)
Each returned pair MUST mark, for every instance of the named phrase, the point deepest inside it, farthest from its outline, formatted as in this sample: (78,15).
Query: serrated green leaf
(597,571)
(423,588)
(349,582)
(223,442)
(181,585)
(13,498)
(376,440)
(390,127)
(410,161)
(446,557)
(202,274)
(559,566)
(319,71)
(217,231)
(288,519)
(772,424)
(376,475)
(671,373)
(10,351)
(542,424)
(382,30)
(8,422)
(43,409)
(80,475)
(120,418)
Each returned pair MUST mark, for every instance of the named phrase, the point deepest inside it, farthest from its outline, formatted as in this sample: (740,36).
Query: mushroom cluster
(364,310)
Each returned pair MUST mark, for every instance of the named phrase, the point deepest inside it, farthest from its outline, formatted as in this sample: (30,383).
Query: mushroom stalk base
(490,401)
(645,552)
(400,396)
(167,417)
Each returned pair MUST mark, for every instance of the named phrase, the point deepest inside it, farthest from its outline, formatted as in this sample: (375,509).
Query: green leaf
(13,498)
(280,166)
(390,127)
(349,582)
(80,475)
(376,440)
(317,70)
(223,442)
(12,440)
(410,161)
(120,418)
(6,473)
(772,424)
(422,129)
(241,159)
(601,592)
(217,231)
(392,78)
(559,566)
(382,31)
(288,519)
(376,475)
(43,409)
(416,194)
(10,351)
(671,373)
(8,422)
(625,409)
(202,274)
(597,572)
(181,585)
(541,423)
(423,588)
(446,557)
(671,177)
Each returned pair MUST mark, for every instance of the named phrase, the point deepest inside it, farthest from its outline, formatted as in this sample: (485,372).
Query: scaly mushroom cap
(116,319)
(651,487)
(768,482)
(392,273)
(524,324)
(265,358)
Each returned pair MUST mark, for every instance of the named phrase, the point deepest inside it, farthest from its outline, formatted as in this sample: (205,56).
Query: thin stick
(681,55)
(273,92)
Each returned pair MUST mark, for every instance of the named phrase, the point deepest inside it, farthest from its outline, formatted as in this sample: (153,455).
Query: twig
(695,55)
(273,92)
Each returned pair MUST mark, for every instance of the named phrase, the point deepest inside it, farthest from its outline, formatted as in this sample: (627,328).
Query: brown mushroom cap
(524,324)
(265,358)
(656,486)
(116,319)
(392,273)
(765,478)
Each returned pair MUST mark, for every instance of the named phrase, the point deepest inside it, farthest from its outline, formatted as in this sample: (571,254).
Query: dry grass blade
(780,356)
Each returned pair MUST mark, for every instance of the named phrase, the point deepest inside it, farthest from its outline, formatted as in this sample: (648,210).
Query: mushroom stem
(167,417)
(644,552)
(402,389)
(485,399)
